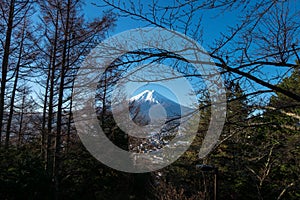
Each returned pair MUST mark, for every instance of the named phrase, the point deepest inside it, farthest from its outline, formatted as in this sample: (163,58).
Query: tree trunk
(20,132)
(49,152)
(5,67)
(60,103)
(44,118)
(12,101)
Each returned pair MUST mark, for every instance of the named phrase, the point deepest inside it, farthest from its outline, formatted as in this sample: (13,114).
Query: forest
(45,42)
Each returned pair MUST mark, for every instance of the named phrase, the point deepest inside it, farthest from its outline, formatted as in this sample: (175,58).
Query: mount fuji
(151,105)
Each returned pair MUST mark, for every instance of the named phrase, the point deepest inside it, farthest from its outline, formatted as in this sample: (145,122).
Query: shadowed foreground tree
(16,40)
(67,39)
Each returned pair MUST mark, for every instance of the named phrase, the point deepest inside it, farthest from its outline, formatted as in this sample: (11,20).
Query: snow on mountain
(147,95)
(142,105)
(150,107)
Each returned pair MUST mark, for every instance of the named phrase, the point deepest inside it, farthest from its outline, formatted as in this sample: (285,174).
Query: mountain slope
(150,105)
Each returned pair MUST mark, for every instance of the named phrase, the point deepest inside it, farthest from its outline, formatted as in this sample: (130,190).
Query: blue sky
(213,23)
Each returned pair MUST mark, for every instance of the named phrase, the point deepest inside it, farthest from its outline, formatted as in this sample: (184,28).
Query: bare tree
(256,53)
(67,39)
(5,61)
(15,18)
(244,50)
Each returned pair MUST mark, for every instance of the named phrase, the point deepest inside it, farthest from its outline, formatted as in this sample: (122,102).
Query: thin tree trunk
(5,67)
(20,134)
(70,119)
(60,103)
(71,102)
(49,164)
(12,101)
(44,119)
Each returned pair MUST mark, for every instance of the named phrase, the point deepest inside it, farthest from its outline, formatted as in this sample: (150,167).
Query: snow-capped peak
(142,107)
(146,95)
